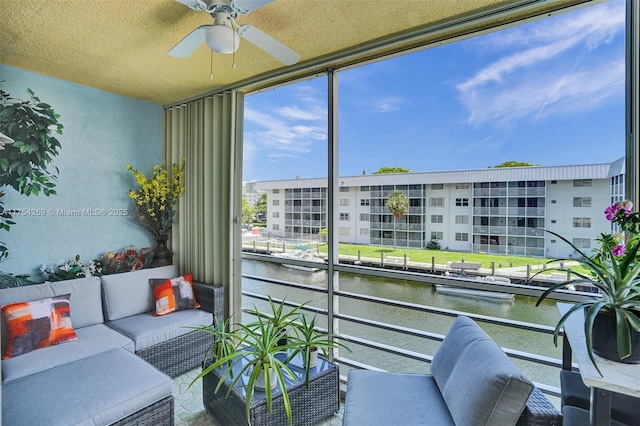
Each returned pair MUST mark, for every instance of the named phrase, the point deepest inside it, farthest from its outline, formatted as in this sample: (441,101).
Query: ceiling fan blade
(245,6)
(269,44)
(190,43)
(194,4)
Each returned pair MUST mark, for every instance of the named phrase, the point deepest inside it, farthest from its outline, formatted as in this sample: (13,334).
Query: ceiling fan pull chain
(211,67)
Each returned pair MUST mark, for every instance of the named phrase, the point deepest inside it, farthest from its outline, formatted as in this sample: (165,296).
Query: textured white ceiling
(121,45)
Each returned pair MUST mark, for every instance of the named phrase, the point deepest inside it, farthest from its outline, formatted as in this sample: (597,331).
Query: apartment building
(493,210)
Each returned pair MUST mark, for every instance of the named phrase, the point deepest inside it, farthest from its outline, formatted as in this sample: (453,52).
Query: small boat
(477,293)
(459,291)
(307,255)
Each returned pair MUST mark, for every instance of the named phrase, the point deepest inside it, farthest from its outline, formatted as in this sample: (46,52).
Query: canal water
(521,309)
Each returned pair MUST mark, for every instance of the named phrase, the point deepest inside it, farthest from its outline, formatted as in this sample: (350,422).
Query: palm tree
(398,204)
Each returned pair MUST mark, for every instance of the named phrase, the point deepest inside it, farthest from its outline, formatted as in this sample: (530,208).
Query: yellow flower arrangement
(155,199)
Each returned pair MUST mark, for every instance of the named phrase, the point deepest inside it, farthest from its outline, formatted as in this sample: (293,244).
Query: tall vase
(162,255)
(605,342)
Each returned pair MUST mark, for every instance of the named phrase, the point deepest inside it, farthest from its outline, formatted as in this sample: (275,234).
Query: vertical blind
(207,133)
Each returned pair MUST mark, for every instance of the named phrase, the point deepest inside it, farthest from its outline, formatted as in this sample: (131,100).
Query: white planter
(313,359)
(260,384)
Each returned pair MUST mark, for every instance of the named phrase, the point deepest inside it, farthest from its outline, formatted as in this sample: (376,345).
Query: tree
(389,170)
(24,164)
(323,233)
(513,163)
(398,204)
(248,212)
(260,208)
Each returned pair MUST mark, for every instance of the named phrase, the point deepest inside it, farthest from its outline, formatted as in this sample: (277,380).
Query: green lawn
(441,256)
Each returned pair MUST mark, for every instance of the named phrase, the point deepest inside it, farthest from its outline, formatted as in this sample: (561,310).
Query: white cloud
(543,72)
(485,145)
(296,113)
(387,104)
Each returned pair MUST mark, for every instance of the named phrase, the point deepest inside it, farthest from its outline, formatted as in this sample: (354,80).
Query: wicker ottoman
(308,405)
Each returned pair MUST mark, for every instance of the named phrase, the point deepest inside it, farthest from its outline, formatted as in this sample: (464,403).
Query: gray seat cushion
(479,383)
(97,390)
(415,400)
(85,302)
(129,293)
(92,340)
(147,330)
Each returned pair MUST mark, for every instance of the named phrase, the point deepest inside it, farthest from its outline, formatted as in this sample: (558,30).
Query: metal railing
(345,320)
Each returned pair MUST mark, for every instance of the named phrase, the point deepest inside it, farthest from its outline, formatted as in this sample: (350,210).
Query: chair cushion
(96,390)
(367,401)
(148,330)
(37,324)
(173,294)
(130,293)
(479,383)
(91,341)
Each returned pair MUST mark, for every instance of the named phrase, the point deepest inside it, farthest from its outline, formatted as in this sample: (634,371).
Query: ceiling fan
(223,36)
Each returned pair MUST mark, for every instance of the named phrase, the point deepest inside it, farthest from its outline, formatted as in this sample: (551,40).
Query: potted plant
(244,353)
(281,319)
(614,271)
(154,203)
(311,341)
(256,353)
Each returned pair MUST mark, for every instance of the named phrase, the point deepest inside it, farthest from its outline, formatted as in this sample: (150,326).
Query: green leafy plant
(309,339)
(281,319)
(251,349)
(25,163)
(613,269)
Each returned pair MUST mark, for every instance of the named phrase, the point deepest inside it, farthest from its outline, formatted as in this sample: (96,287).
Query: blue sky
(550,92)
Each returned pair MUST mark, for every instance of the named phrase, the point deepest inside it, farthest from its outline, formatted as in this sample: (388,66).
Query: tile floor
(189,410)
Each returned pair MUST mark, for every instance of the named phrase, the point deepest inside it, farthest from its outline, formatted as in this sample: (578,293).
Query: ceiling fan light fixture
(222,39)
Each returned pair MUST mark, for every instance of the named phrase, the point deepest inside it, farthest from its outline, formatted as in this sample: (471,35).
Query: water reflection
(521,309)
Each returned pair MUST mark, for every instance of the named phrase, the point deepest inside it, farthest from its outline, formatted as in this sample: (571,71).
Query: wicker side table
(308,405)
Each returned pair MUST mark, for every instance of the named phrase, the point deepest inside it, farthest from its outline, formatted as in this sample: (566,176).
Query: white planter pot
(313,359)
(260,384)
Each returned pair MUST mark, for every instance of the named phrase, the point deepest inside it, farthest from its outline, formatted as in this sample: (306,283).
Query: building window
(437,235)
(462,236)
(275,203)
(582,222)
(553,182)
(364,188)
(344,202)
(462,220)
(553,221)
(276,215)
(581,201)
(553,201)
(437,186)
(437,218)
(276,191)
(436,202)
(462,186)
(275,227)
(462,202)
(364,217)
(364,231)
(364,202)
(581,182)
(582,243)
(344,216)
(344,189)
(344,231)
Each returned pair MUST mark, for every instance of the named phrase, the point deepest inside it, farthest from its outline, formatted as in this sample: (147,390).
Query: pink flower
(618,251)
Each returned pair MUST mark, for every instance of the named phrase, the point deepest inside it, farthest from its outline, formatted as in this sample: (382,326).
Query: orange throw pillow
(174,294)
(37,324)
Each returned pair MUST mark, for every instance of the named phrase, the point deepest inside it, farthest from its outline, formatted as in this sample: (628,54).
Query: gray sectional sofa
(118,370)
(472,382)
